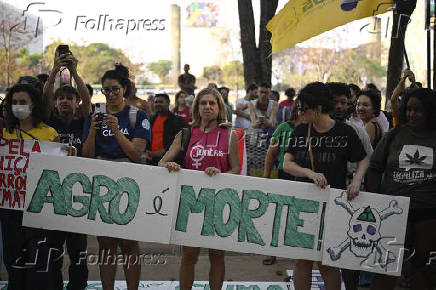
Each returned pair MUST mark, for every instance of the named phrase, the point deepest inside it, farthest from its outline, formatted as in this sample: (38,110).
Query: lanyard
(27,133)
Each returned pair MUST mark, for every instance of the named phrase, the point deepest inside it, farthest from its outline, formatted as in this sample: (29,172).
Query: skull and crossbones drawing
(364,232)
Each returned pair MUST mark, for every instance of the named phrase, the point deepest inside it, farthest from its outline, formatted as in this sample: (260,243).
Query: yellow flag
(300,20)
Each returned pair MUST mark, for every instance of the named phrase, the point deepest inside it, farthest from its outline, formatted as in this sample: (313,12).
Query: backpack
(133,113)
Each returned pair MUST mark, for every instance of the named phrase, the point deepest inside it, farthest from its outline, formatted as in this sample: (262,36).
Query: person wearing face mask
(24,115)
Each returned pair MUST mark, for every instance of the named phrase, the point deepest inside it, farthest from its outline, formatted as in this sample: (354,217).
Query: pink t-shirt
(287,103)
(208,149)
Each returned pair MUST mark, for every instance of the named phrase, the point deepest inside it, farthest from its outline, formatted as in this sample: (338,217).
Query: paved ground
(161,263)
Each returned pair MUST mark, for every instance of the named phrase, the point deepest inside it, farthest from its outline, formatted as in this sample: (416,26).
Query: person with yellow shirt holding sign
(23,120)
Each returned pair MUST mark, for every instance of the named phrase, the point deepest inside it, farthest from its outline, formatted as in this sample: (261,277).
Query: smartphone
(63,49)
(100,111)
(100,108)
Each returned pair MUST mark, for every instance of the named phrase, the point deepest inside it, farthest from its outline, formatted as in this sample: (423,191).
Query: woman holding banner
(318,152)
(404,163)
(23,120)
(209,128)
(121,135)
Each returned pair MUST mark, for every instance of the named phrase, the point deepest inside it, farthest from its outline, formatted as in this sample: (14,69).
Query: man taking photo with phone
(60,109)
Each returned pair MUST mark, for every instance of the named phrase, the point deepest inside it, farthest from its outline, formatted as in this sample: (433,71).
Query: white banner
(228,212)
(14,163)
(366,233)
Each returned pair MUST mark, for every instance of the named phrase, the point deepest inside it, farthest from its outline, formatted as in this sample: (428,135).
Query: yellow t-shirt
(42,132)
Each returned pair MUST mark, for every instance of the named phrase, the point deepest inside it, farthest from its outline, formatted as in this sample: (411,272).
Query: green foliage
(299,66)
(355,67)
(213,73)
(94,60)
(161,68)
(280,87)
(233,74)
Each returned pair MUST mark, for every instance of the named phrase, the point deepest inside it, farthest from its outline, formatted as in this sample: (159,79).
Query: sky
(77,21)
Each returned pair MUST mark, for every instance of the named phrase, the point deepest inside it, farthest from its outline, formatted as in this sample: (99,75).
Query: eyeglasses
(107,91)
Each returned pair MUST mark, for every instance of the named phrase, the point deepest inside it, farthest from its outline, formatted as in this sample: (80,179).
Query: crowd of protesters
(390,153)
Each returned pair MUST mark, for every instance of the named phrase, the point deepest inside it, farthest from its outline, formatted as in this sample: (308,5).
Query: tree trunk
(267,10)
(434,60)
(401,18)
(250,52)
(257,60)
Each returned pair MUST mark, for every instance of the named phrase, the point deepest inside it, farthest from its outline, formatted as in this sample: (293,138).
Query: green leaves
(415,159)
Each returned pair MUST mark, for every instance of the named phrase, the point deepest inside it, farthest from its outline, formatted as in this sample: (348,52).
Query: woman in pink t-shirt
(211,149)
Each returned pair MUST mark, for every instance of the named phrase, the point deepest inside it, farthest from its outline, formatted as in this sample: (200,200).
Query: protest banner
(14,163)
(229,212)
(373,239)
(250,215)
(104,198)
(196,285)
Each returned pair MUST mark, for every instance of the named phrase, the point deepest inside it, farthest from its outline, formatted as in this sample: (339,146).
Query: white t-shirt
(241,122)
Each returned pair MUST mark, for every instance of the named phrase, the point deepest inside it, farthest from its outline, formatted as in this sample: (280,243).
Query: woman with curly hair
(404,164)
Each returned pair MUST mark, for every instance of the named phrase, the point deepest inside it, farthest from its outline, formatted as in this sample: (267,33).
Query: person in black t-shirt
(60,111)
(186,81)
(318,152)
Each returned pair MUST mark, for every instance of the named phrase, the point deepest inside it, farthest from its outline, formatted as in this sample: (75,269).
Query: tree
(161,68)
(233,74)
(213,73)
(257,60)
(355,67)
(299,65)
(13,39)
(401,18)
(94,60)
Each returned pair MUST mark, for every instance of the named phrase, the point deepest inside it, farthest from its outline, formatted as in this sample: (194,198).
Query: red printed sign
(14,163)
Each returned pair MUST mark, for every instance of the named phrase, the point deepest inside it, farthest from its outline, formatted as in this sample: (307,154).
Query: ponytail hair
(121,74)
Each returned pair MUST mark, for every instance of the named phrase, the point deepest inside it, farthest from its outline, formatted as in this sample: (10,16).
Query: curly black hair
(428,100)
(11,121)
(339,89)
(316,94)
(375,98)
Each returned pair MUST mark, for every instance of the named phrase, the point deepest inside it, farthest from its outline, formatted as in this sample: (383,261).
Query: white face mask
(21,112)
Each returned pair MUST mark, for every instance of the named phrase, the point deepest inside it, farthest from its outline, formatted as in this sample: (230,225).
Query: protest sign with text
(14,163)
(149,204)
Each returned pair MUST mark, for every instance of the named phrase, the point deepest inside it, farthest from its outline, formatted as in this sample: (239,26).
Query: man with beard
(341,95)
(165,126)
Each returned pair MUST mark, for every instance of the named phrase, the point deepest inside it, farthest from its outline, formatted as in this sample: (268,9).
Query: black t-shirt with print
(331,151)
(74,130)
